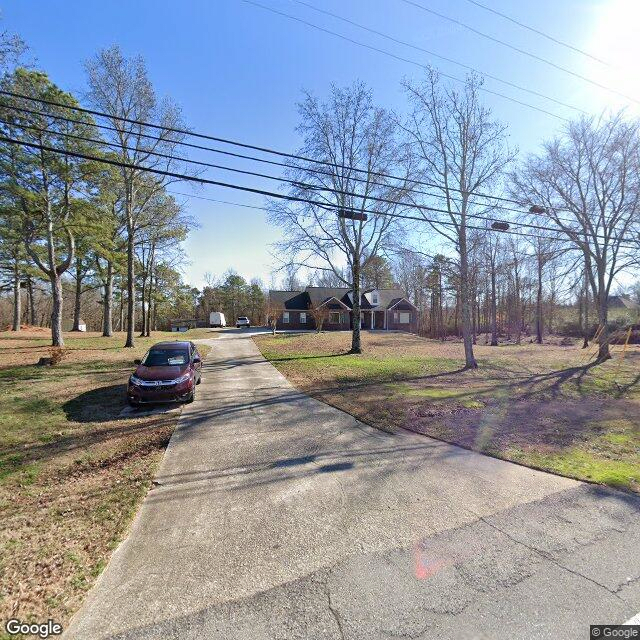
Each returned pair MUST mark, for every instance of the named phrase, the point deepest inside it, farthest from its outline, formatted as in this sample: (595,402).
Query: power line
(437,55)
(261,160)
(263,192)
(415,218)
(539,32)
(301,184)
(534,56)
(402,59)
(295,182)
(243,145)
(237,155)
(274,152)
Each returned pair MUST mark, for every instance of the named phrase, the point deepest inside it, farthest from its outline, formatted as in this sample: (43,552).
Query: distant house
(383,309)
(623,302)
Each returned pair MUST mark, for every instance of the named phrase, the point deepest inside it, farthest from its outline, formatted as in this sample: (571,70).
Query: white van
(216,319)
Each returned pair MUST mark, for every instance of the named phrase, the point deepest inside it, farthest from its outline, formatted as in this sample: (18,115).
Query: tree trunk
(517,302)
(143,311)
(147,322)
(465,303)
(356,342)
(131,288)
(17,300)
(31,302)
(78,297)
(107,307)
(494,309)
(603,338)
(150,292)
(585,332)
(121,314)
(57,339)
(539,319)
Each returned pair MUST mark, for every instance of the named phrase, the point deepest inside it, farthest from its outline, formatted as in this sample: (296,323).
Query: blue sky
(238,71)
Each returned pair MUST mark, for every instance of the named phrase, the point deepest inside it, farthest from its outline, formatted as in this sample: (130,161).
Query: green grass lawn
(72,470)
(545,406)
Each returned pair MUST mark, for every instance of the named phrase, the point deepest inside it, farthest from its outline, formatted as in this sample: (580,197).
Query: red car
(169,372)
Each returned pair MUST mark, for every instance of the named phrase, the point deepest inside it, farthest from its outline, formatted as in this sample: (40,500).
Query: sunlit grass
(547,406)
(72,471)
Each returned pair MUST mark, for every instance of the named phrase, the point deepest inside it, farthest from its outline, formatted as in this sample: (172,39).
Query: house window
(374,298)
(303,318)
(334,318)
(405,318)
(285,317)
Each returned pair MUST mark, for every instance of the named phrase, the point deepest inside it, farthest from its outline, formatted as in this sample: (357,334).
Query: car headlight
(134,380)
(183,378)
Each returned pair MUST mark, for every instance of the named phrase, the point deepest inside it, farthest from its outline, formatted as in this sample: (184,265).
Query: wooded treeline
(483,242)
(232,295)
(87,235)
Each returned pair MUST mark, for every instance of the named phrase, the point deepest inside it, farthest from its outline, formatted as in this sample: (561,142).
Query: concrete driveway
(279,517)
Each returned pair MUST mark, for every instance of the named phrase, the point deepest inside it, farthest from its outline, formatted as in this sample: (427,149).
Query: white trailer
(216,319)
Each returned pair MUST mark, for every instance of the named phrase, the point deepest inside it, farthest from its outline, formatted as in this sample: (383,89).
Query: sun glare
(616,39)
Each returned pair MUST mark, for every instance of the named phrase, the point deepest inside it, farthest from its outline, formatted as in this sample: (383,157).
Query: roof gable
(318,295)
(289,299)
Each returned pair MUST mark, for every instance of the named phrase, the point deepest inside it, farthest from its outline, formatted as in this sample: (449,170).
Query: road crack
(547,556)
(334,613)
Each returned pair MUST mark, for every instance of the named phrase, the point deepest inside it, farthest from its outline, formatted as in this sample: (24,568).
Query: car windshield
(159,357)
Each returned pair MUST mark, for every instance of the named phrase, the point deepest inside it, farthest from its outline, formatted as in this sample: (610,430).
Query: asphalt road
(279,517)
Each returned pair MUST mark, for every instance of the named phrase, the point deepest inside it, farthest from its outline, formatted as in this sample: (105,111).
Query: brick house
(383,309)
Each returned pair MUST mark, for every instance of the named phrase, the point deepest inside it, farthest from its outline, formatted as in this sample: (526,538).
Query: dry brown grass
(72,471)
(541,405)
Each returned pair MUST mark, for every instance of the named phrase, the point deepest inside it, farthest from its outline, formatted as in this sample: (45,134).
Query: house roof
(318,295)
(336,303)
(386,297)
(313,297)
(289,299)
(623,302)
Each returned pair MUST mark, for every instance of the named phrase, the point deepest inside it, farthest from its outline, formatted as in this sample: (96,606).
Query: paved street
(277,516)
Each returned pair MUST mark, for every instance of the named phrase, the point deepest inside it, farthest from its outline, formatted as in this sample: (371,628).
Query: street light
(351,215)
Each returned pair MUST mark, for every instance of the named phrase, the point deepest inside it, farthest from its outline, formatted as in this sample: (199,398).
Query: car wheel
(133,404)
(199,380)
(191,397)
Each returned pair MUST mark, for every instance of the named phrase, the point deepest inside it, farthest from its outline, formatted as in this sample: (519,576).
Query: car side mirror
(137,361)
(197,359)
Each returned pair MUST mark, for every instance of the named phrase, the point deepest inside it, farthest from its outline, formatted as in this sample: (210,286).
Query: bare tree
(545,250)
(273,311)
(462,150)
(345,220)
(121,88)
(586,182)
(320,315)
(492,249)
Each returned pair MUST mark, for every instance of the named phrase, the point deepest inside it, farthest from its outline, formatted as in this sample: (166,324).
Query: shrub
(58,354)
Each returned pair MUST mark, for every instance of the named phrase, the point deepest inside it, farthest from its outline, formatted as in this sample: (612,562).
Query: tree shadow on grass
(103,404)
(306,357)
